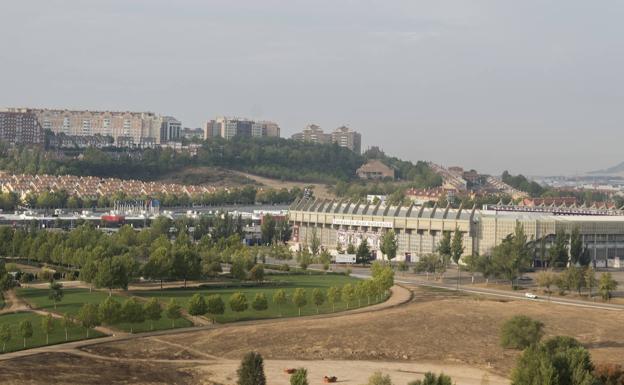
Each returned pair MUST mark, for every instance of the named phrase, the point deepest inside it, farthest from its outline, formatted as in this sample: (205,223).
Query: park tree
(66,323)
(109,311)
(47,325)
(433,379)
(457,249)
(333,296)
(513,256)
(304,258)
(251,370)
(173,311)
(559,360)
(132,313)
(545,279)
(585,259)
(197,305)
(257,273)
(558,251)
(299,298)
(268,229)
(215,306)
(389,244)
(159,265)
(299,377)
(26,330)
(360,291)
(444,247)
(185,264)
(472,265)
(606,285)
(279,298)
(5,336)
(315,243)
(56,292)
(153,311)
(351,248)
(429,264)
(575,277)
(348,293)
(260,302)
(576,247)
(238,269)
(318,297)
(112,274)
(363,253)
(88,272)
(590,280)
(238,302)
(88,317)
(520,331)
(384,275)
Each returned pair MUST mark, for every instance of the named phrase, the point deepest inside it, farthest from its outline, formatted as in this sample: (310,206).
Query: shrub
(520,332)
(251,371)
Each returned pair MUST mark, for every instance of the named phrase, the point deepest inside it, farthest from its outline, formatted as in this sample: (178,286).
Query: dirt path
(13,303)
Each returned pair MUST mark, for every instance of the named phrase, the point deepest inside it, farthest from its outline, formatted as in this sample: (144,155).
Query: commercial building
(140,129)
(343,136)
(419,229)
(228,128)
(20,127)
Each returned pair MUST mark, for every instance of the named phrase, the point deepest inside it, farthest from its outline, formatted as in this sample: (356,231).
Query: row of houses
(89,187)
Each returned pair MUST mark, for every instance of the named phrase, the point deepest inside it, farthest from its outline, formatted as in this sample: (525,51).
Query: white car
(530,295)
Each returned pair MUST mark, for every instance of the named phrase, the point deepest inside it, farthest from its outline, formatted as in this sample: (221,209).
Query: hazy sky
(531,86)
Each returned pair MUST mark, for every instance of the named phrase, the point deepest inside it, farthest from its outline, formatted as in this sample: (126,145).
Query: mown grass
(74,299)
(282,281)
(75,332)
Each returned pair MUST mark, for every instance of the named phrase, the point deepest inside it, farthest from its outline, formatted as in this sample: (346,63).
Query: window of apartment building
(66,125)
(86,125)
(127,125)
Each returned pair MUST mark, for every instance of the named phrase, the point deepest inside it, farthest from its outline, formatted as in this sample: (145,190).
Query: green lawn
(75,298)
(288,282)
(39,339)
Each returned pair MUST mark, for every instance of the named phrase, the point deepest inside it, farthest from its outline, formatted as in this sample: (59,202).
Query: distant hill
(618,169)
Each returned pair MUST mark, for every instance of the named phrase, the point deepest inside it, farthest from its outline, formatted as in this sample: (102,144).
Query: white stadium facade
(338,223)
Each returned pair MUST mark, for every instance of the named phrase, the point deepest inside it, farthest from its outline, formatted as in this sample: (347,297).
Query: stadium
(338,223)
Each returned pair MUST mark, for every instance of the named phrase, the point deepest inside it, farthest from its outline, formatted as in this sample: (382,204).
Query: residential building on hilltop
(20,127)
(343,136)
(375,169)
(227,128)
(135,129)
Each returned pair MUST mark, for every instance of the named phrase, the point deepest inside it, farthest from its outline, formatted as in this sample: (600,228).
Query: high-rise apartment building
(20,127)
(343,136)
(347,138)
(140,129)
(228,128)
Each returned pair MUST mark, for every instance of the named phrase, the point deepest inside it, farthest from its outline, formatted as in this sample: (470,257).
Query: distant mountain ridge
(618,169)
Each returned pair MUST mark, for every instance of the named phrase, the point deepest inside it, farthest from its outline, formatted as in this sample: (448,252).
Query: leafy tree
(132,312)
(318,297)
(545,279)
(389,244)
(513,256)
(238,270)
(348,293)
(47,325)
(173,311)
(159,265)
(575,278)
(260,302)
(251,370)
(590,280)
(559,360)
(576,246)
(238,302)
(558,251)
(279,298)
(472,265)
(585,259)
(109,311)
(257,273)
(112,274)
(66,323)
(88,317)
(26,330)
(444,247)
(197,305)
(315,243)
(433,379)
(215,306)
(5,336)
(304,258)
(333,296)
(383,275)
(152,311)
(363,253)
(185,264)
(520,331)
(379,378)
(299,377)
(350,248)
(56,292)
(88,272)
(268,229)
(606,285)
(430,264)
(299,298)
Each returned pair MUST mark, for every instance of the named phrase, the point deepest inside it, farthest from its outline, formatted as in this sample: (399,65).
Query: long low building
(419,229)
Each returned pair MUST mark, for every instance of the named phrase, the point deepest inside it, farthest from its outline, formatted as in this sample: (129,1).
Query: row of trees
(26,330)
(578,279)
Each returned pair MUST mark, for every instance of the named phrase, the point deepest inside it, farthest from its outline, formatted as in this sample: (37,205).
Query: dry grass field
(437,330)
